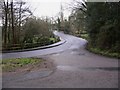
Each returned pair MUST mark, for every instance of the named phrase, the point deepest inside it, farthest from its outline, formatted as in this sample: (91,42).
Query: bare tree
(5,10)
(13,17)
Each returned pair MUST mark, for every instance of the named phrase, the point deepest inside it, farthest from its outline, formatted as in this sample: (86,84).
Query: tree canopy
(101,21)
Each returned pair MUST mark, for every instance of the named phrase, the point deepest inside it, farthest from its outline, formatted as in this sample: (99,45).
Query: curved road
(57,49)
(75,68)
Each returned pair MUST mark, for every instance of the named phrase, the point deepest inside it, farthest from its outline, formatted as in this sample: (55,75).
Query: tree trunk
(6,24)
(12,18)
(19,28)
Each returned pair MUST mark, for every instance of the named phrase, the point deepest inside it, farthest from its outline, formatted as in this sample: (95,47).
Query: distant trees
(67,26)
(77,20)
(63,25)
(58,24)
(78,17)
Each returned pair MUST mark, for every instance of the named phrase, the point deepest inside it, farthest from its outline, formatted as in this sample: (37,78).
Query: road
(75,67)
(45,51)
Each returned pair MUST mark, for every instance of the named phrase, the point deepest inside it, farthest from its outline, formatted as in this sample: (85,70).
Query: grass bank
(10,65)
(103,52)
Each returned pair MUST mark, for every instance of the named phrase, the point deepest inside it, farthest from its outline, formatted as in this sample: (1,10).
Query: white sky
(49,8)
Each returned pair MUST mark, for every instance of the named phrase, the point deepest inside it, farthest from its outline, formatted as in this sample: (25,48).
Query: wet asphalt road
(45,51)
(75,68)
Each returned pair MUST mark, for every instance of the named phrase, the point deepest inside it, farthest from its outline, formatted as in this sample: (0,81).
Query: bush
(36,33)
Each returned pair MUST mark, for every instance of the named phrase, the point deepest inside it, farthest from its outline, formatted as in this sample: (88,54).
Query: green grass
(9,65)
(53,40)
(85,36)
(104,52)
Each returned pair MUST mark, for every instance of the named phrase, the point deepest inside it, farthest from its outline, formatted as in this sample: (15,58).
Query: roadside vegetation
(103,52)
(11,65)
(22,30)
(103,28)
(97,22)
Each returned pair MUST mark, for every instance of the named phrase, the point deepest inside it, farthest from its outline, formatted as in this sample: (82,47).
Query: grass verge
(84,36)
(9,65)
(103,52)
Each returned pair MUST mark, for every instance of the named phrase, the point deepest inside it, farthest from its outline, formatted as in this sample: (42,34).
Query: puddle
(77,53)
(40,74)
(67,68)
(73,53)
(56,54)
(81,54)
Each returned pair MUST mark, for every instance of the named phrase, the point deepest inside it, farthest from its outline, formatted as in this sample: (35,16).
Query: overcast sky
(49,8)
